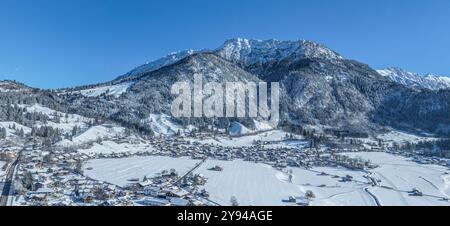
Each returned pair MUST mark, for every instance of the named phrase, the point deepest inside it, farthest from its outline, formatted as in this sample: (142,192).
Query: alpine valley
(348,135)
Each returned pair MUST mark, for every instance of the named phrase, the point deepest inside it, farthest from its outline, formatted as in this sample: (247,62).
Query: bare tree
(234,201)
(310,195)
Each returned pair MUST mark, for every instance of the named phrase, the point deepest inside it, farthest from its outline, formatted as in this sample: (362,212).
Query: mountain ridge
(318,87)
(415,80)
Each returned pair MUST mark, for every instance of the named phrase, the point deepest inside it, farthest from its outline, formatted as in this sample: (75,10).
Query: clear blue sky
(60,43)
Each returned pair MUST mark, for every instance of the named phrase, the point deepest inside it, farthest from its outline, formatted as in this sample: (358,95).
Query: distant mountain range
(415,80)
(248,52)
(319,88)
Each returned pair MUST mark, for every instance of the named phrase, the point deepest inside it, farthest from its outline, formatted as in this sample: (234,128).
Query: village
(56,177)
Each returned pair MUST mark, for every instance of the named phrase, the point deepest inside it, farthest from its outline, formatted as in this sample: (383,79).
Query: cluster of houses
(280,156)
(41,180)
(56,177)
(169,188)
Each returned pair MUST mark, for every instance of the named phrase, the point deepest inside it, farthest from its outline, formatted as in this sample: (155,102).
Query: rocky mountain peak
(252,51)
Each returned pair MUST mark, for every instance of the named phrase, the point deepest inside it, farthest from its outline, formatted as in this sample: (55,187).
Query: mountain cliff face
(318,87)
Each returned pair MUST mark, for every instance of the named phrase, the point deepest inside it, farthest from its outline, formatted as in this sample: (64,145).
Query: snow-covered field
(251,183)
(403,175)
(119,171)
(260,184)
(110,147)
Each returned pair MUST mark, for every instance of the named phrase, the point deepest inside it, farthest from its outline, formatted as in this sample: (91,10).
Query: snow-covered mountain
(250,51)
(122,83)
(246,52)
(415,80)
(318,87)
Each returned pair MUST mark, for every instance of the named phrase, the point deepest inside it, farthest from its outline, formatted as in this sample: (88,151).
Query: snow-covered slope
(415,80)
(65,124)
(162,124)
(93,134)
(37,108)
(12,86)
(10,125)
(110,90)
(237,129)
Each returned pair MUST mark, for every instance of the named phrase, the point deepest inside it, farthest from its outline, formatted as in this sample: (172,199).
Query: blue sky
(61,43)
